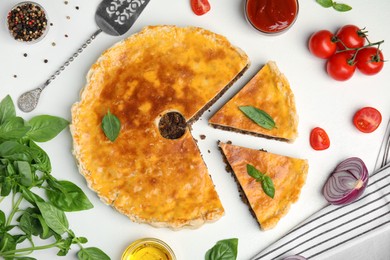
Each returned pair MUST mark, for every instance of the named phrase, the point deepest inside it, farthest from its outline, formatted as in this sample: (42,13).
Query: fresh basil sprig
(265,180)
(24,167)
(336,6)
(111,126)
(223,250)
(258,116)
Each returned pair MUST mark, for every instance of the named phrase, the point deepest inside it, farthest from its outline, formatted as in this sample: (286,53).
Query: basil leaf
(53,184)
(7,109)
(258,116)
(30,225)
(15,151)
(19,239)
(7,243)
(11,169)
(92,253)
(341,7)
(54,217)
(45,127)
(268,186)
(2,218)
(65,247)
(69,198)
(111,126)
(223,250)
(325,3)
(266,181)
(13,128)
(24,170)
(46,231)
(30,196)
(41,160)
(82,240)
(253,172)
(6,187)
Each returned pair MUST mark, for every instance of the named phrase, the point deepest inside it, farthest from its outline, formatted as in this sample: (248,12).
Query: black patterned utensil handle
(115,17)
(121,15)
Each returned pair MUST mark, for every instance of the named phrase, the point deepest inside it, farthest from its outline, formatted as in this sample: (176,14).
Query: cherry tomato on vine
(351,36)
(369,60)
(322,44)
(367,119)
(340,66)
(319,139)
(200,7)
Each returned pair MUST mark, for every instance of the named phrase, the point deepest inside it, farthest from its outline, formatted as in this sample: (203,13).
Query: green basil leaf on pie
(266,182)
(268,186)
(258,116)
(111,126)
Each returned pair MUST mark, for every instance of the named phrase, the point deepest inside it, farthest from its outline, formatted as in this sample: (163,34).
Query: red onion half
(347,182)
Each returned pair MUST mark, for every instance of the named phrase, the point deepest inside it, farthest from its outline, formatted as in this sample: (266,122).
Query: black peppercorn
(27,22)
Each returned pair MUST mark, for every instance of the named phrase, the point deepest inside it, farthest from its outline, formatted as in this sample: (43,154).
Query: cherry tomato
(369,60)
(319,139)
(367,119)
(351,36)
(340,67)
(322,44)
(200,7)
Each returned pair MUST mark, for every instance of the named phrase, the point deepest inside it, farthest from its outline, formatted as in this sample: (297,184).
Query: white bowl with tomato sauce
(271,17)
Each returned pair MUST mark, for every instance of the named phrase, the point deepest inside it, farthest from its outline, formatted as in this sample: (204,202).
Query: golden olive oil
(148,249)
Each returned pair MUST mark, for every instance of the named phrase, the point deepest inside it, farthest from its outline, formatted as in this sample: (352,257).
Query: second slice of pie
(268,91)
(288,176)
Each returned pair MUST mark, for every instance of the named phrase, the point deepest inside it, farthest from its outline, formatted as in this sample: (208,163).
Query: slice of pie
(288,176)
(270,92)
(155,82)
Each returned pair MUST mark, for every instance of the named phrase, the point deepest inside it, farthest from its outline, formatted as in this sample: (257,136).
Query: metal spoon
(114,17)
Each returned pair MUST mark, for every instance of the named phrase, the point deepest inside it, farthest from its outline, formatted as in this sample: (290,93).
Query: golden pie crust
(162,182)
(288,175)
(269,91)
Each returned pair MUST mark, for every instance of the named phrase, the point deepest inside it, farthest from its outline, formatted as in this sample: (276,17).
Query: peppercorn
(27,22)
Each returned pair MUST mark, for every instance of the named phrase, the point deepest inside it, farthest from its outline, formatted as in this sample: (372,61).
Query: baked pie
(270,92)
(156,82)
(288,176)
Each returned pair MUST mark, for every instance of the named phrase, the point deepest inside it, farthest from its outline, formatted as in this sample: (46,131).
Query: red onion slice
(347,182)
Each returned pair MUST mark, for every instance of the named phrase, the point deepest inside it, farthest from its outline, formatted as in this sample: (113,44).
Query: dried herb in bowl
(27,22)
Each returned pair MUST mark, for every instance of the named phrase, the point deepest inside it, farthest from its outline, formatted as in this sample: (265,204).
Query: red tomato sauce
(271,16)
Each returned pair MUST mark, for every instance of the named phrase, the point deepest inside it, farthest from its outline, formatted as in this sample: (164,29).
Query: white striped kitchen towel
(335,226)
(384,156)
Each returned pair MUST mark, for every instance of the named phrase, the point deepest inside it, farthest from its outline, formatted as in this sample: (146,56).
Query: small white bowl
(270,32)
(39,35)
